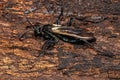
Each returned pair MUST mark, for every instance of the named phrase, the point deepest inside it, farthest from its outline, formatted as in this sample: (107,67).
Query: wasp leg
(49,44)
(57,21)
(76,18)
(70,21)
(100,52)
(59,17)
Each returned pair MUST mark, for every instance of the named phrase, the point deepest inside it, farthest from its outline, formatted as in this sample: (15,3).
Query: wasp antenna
(31,25)
(28,20)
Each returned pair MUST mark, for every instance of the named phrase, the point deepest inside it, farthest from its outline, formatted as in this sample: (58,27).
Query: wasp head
(37,29)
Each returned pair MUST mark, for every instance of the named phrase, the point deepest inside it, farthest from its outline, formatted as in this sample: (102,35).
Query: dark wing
(68,30)
(74,33)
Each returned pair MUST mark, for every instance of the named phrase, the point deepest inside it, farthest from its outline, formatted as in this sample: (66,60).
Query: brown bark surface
(66,61)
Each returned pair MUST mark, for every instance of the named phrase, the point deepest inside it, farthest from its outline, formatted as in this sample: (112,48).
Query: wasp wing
(74,33)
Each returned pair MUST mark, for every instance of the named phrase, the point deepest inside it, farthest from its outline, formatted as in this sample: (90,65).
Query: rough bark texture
(66,61)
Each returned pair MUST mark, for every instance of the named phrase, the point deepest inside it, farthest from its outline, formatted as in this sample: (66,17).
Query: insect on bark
(55,32)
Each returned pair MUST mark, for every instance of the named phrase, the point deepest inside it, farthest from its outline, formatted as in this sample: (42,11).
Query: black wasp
(52,33)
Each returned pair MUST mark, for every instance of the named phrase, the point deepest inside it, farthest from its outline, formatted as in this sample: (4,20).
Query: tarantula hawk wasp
(55,32)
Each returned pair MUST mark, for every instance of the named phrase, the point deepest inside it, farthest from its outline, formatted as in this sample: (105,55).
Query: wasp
(52,33)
